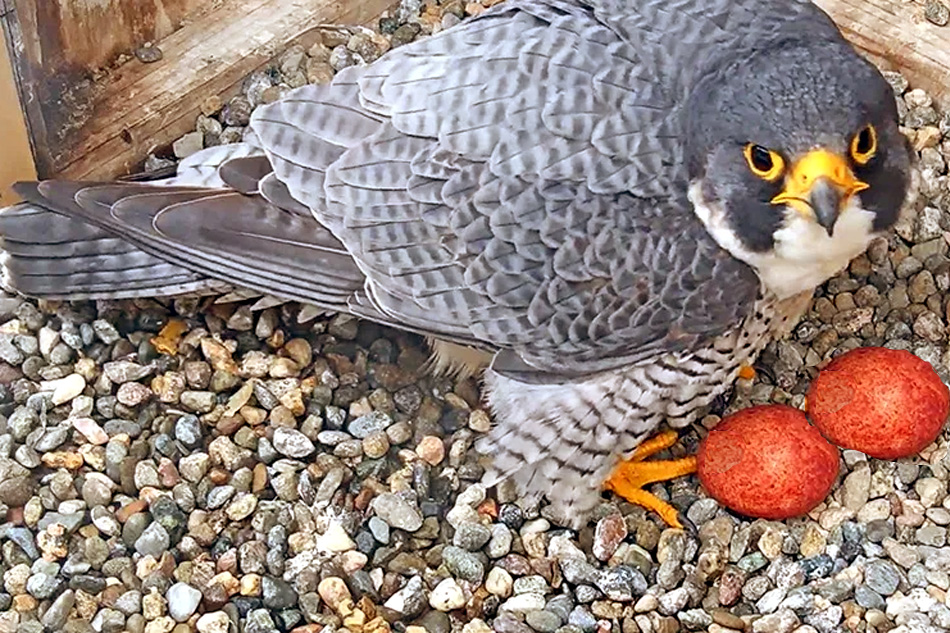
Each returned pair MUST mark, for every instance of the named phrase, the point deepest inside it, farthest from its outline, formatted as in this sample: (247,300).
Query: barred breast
(563,440)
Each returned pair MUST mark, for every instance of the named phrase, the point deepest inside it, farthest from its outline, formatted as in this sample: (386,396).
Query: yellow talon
(629,477)
(747,372)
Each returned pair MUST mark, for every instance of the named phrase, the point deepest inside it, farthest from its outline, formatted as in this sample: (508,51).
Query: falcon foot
(747,372)
(629,477)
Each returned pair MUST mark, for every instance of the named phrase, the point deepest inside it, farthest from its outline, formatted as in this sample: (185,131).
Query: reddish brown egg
(883,402)
(767,462)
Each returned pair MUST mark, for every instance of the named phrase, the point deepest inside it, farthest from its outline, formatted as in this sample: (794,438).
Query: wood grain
(895,35)
(103,128)
(89,34)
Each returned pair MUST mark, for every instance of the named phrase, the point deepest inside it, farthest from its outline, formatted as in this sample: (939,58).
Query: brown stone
(62,459)
(122,514)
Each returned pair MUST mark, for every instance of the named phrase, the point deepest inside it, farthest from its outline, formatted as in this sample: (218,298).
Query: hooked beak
(819,185)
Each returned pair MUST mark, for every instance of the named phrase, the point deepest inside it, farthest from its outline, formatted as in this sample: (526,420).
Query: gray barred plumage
(581,430)
(559,183)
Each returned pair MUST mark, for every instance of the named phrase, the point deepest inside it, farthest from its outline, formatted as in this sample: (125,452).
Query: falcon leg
(629,477)
(747,372)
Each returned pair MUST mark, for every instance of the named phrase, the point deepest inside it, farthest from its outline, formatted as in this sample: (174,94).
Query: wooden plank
(17,163)
(106,127)
(89,34)
(895,35)
(59,45)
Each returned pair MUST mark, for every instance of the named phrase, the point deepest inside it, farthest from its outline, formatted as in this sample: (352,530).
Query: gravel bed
(246,470)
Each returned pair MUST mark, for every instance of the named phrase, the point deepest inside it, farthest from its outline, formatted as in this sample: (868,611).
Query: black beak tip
(825,199)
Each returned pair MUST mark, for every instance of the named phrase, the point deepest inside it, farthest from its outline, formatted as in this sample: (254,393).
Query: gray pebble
(471,536)
(463,564)
(259,621)
(366,425)
(702,510)
(932,535)
(397,512)
(621,583)
(292,443)
(826,621)
(672,602)
(500,543)
(380,529)
(531,584)
(936,12)
(188,431)
(43,586)
(69,520)
(582,619)
(55,616)
(278,594)
(543,621)
(578,571)
(752,562)
(857,488)
(108,621)
(154,541)
(129,602)
(755,587)
(882,577)
(868,598)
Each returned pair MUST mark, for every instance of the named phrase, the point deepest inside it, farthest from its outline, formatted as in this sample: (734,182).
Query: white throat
(804,255)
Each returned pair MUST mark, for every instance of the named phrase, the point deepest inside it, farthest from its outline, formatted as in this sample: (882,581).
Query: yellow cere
(818,163)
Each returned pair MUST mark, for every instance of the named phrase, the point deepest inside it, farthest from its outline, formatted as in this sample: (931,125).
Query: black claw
(721,402)
(765,370)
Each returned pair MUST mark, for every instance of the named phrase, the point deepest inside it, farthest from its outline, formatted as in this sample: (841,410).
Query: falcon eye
(864,145)
(763,162)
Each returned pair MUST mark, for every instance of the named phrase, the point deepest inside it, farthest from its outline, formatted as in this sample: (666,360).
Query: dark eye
(864,145)
(763,162)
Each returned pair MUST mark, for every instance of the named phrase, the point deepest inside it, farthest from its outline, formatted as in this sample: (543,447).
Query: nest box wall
(91,117)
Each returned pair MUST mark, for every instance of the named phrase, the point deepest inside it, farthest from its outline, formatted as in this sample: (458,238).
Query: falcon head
(796,160)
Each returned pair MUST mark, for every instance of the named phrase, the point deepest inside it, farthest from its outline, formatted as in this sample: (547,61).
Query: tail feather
(192,232)
(55,257)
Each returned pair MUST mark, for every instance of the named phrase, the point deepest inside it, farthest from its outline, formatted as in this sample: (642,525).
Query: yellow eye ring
(864,145)
(763,162)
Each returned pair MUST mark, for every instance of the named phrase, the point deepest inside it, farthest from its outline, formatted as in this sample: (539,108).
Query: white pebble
(335,539)
(471,496)
(447,596)
(523,603)
(64,389)
(499,582)
(875,509)
(476,626)
(214,622)
(183,600)
(91,430)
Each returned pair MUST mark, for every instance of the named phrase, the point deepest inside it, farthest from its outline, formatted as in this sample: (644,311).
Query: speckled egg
(883,402)
(768,462)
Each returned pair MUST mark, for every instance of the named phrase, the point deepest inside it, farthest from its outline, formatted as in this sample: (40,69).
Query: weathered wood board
(64,35)
(895,35)
(84,127)
(58,45)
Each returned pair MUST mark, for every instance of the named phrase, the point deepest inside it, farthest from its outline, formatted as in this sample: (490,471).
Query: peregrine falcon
(617,203)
